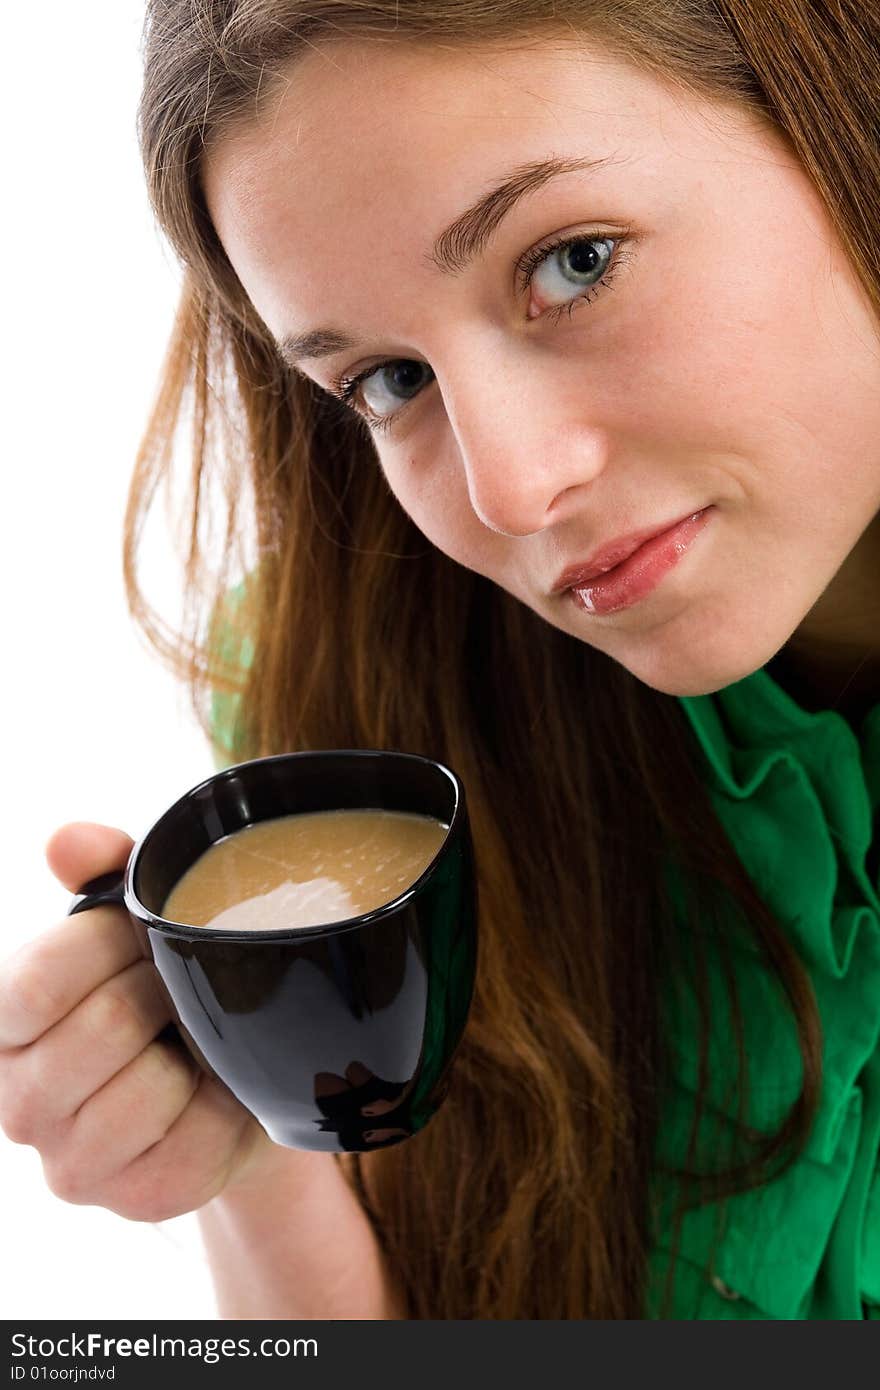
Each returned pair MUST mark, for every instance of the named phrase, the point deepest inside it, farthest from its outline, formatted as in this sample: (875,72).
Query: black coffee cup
(337,1037)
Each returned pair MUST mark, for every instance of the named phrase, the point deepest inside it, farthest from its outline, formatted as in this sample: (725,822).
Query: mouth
(611,554)
(608,587)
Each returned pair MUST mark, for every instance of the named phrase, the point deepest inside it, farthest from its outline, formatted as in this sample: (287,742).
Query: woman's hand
(121,1119)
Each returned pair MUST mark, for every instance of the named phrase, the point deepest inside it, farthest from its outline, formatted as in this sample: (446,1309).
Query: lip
(632,579)
(614,553)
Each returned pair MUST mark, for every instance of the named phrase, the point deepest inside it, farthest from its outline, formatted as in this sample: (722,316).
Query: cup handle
(103,891)
(107,891)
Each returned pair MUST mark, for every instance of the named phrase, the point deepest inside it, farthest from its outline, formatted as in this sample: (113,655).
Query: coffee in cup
(302,870)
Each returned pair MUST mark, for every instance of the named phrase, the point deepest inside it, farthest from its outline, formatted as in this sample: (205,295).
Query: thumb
(78,852)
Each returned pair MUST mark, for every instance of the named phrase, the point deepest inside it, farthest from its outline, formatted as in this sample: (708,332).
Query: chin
(702,667)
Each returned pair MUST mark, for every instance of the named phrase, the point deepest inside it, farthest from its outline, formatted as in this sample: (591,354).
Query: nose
(530,444)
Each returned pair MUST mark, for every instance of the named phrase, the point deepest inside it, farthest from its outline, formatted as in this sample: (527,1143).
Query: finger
(190,1163)
(358,1074)
(380,1107)
(327,1083)
(81,850)
(77,1057)
(47,977)
(379,1136)
(120,1122)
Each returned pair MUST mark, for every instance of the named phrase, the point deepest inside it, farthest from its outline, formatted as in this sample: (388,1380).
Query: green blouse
(796,793)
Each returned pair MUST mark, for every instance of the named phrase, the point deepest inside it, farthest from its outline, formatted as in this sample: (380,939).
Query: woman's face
(700,343)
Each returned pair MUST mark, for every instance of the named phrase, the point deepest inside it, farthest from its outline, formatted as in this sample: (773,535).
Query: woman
(667,1100)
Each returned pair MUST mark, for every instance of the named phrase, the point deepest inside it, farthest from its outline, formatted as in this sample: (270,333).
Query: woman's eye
(576,265)
(565,271)
(391,384)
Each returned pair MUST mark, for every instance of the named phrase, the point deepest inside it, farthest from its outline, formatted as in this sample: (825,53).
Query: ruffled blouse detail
(798,794)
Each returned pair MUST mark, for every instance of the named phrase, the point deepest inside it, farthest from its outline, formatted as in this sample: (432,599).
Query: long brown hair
(528,1196)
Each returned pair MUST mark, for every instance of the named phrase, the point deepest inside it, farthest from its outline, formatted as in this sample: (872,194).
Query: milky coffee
(304,870)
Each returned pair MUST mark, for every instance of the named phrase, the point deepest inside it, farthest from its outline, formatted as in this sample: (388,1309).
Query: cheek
(437,501)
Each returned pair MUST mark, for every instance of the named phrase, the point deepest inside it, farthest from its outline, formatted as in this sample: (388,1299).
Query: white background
(94,728)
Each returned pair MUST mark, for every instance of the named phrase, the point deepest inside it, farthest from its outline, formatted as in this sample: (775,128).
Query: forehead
(391,140)
(421,100)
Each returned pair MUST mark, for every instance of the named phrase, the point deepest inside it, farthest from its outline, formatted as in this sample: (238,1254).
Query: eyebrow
(456,246)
